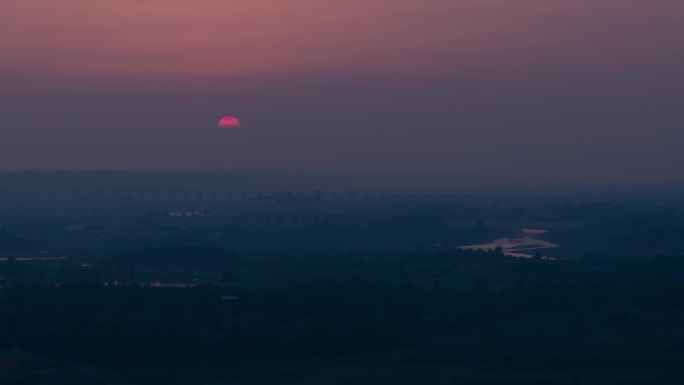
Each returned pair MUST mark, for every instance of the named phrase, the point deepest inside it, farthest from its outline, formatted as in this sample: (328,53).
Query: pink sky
(564,89)
(132,38)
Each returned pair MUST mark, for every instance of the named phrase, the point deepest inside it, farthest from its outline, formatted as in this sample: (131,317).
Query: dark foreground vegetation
(600,330)
(345,293)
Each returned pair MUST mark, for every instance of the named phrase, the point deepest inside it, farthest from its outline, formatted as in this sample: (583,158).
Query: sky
(530,90)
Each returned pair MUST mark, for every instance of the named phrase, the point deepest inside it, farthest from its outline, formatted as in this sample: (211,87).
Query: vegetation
(385,298)
(601,326)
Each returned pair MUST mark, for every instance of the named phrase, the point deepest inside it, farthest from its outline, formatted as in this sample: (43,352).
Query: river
(524,246)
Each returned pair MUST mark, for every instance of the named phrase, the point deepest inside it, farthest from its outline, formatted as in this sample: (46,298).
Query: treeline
(95,323)
(100,324)
(9,242)
(172,255)
(630,225)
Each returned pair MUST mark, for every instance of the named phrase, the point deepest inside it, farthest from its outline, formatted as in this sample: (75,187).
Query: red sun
(229,122)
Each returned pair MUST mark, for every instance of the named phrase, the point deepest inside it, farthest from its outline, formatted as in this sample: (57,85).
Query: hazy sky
(589,90)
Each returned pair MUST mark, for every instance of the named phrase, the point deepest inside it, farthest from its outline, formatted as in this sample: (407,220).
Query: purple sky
(567,90)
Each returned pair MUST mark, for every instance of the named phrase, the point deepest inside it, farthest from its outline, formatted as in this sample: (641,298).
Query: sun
(229,122)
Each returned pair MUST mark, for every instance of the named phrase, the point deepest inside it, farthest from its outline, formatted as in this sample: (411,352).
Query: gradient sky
(565,90)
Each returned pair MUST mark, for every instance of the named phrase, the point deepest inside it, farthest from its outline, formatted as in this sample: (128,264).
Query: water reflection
(518,247)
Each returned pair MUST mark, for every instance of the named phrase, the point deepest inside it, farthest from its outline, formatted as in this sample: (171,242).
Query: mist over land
(561,130)
(339,182)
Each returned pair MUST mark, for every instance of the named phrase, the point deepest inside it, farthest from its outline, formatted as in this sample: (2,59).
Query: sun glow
(229,122)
